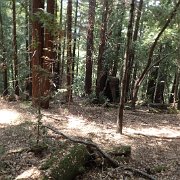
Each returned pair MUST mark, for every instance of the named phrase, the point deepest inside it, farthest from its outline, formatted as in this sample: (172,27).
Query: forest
(89,89)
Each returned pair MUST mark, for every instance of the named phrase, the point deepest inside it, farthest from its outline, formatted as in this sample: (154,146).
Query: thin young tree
(126,63)
(89,47)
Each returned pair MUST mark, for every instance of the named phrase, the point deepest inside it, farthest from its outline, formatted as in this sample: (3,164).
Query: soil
(153,137)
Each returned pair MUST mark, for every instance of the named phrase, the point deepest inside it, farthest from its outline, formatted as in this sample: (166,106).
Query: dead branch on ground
(89,143)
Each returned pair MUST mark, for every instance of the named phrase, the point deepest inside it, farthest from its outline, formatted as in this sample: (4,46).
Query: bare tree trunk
(126,63)
(3,64)
(49,57)
(74,41)
(15,58)
(69,53)
(89,49)
(37,52)
(118,45)
(132,56)
(150,55)
(102,44)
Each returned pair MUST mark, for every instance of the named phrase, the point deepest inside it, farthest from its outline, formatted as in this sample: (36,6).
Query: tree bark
(74,41)
(102,44)
(49,57)
(69,52)
(3,50)
(37,52)
(126,63)
(132,55)
(150,55)
(15,58)
(89,47)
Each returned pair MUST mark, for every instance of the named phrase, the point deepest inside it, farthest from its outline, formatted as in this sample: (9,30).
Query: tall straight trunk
(27,31)
(171,98)
(89,47)
(126,63)
(15,58)
(37,52)
(69,52)
(60,48)
(74,40)
(3,64)
(150,55)
(102,44)
(132,56)
(49,57)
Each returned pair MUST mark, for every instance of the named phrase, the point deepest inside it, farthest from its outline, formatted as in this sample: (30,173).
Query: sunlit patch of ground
(9,117)
(32,173)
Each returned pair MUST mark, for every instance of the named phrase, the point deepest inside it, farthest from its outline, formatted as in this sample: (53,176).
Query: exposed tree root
(141,173)
(91,144)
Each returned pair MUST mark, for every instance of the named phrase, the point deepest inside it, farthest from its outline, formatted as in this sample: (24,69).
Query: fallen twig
(141,173)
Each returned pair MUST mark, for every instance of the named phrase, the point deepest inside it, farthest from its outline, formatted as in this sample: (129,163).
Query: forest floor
(153,137)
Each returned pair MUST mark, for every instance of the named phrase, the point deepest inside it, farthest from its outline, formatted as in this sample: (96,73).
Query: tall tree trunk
(60,51)
(126,63)
(3,50)
(102,44)
(74,40)
(27,32)
(15,58)
(150,55)
(89,47)
(171,98)
(152,84)
(37,52)
(49,57)
(69,52)
(132,56)
(118,41)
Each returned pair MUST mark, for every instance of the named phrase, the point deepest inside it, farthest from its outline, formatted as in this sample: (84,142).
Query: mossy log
(71,165)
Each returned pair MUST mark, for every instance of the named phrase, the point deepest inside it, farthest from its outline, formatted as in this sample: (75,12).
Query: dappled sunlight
(93,130)
(32,173)
(159,132)
(9,117)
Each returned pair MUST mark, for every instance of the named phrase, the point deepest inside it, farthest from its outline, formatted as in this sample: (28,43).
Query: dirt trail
(155,138)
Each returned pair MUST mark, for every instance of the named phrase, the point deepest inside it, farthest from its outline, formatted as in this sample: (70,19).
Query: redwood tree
(3,65)
(15,58)
(49,55)
(89,47)
(37,51)
(69,51)
(102,44)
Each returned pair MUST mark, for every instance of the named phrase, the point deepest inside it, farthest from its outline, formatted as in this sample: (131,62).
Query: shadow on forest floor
(154,138)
